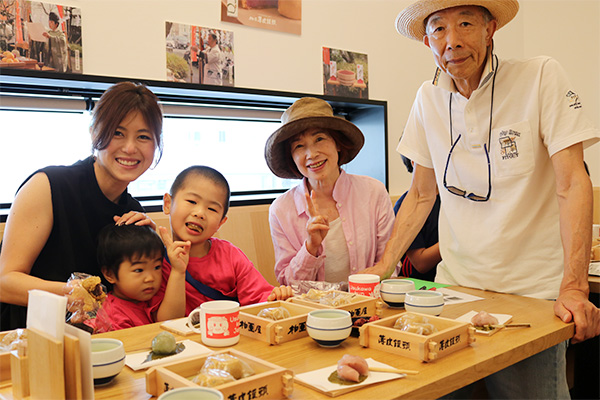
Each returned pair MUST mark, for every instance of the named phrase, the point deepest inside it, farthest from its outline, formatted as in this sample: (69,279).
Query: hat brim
(279,160)
(409,21)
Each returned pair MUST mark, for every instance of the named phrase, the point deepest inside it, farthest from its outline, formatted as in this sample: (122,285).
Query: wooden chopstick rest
(393,370)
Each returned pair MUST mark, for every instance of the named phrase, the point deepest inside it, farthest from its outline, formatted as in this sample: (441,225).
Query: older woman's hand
(317,226)
(134,217)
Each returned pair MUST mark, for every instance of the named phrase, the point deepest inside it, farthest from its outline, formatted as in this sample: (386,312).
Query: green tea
(103,346)
(328,314)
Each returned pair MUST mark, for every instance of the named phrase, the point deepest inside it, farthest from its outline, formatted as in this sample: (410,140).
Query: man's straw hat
(307,112)
(410,20)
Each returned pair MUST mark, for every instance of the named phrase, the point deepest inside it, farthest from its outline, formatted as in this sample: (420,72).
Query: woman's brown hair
(115,105)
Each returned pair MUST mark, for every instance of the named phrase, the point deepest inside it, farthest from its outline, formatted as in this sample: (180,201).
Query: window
(49,125)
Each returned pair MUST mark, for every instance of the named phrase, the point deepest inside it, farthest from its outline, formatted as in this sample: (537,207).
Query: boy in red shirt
(217,270)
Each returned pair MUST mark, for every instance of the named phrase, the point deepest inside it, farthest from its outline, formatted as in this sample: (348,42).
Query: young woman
(53,224)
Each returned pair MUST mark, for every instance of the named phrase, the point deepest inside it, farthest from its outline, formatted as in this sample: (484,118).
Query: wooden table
(484,357)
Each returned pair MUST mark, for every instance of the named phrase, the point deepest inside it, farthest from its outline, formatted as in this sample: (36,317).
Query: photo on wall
(40,36)
(345,73)
(274,15)
(199,55)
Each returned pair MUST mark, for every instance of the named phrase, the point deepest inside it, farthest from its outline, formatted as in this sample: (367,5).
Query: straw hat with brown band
(410,21)
(305,113)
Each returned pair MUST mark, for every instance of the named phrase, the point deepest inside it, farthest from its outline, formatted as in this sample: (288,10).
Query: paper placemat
(135,361)
(502,319)
(455,297)
(177,326)
(318,379)
(594,268)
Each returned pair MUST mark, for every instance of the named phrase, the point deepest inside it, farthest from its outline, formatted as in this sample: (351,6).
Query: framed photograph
(199,55)
(41,36)
(345,73)
(275,15)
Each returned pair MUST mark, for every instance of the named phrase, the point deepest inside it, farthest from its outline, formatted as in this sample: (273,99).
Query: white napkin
(46,312)
(135,361)
(319,378)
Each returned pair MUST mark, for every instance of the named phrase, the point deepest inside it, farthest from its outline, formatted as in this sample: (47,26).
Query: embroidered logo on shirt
(573,100)
(508,144)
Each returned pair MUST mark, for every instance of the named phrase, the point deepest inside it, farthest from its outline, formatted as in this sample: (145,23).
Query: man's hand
(574,306)
(377,269)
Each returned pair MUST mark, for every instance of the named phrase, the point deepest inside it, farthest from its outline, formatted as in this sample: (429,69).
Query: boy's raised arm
(173,304)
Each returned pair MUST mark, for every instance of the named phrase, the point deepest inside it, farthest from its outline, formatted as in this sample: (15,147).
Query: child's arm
(280,293)
(173,304)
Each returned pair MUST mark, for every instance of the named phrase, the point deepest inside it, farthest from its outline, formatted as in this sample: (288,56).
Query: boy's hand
(281,293)
(178,251)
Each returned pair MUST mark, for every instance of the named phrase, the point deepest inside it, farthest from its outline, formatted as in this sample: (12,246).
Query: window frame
(242,103)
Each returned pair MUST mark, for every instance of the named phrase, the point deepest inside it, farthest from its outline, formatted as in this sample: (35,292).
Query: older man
(503,141)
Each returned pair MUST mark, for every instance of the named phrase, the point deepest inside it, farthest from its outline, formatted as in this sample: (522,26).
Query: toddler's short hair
(118,243)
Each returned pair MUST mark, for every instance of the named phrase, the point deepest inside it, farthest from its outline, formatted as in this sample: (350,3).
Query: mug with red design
(219,322)
(364,284)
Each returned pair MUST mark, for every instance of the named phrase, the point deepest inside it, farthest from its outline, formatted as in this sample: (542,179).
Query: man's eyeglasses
(461,192)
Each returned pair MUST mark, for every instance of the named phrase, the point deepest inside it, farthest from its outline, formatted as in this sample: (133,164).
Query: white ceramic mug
(364,284)
(219,322)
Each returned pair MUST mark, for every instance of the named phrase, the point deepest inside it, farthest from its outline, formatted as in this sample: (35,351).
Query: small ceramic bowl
(424,302)
(192,393)
(108,358)
(329,328)
(393,291)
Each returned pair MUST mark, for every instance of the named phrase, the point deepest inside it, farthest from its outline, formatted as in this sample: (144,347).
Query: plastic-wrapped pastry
(11,340)
(226,362)
(329,297)
(336,299)
(415,324)
(274,313)
(213,377)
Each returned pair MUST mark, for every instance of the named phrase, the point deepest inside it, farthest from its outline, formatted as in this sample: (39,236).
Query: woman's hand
(178,251)
(317,226)
(134,217)
(281,293)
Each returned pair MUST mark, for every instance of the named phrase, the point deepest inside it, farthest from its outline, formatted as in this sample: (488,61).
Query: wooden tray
(361,305)
(269,381)
(274,332)
(450,337)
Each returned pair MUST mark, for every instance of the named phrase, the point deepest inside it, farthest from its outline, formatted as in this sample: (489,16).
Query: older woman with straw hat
(333,224)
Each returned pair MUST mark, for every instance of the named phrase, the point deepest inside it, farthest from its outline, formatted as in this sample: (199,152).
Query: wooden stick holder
(50,369)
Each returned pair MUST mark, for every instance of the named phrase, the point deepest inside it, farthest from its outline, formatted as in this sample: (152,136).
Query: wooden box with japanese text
(357,305)
(269,381)
(450,336)
(274,331)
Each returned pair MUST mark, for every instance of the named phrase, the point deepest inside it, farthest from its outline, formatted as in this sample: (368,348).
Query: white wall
(126,38)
